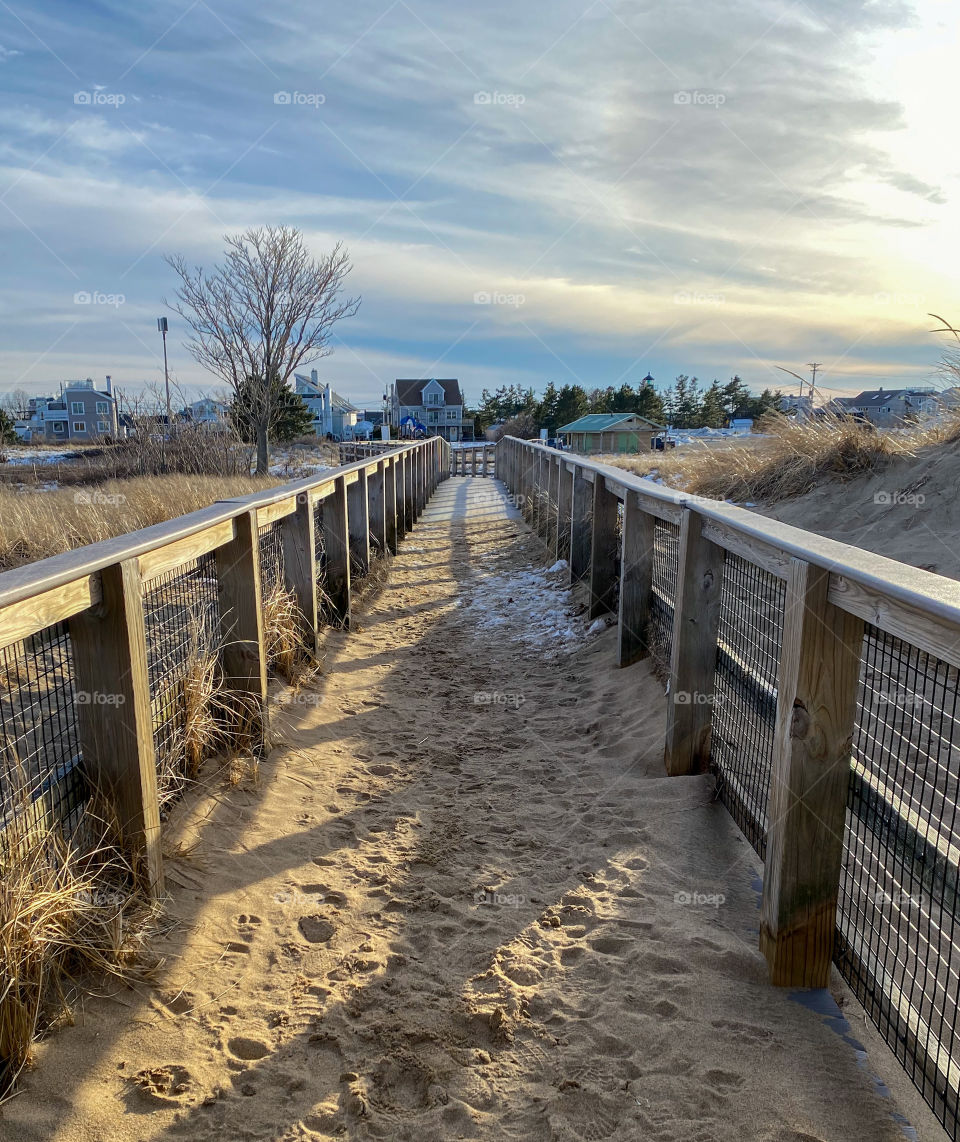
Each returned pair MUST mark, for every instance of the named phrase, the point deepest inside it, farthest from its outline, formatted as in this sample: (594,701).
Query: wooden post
(358,516)
(636,581)
(564,509)
(400,478)
(553,480)
(300,567)
(390,505)
(376,484)
(580,542)
(241,613)
(809,779)
(115,723)
(603,548)
(693,659)
(408,474)
(486,452)
(336,544)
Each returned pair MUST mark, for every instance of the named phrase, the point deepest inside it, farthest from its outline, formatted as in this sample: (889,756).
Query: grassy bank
(789,459)
(34,525)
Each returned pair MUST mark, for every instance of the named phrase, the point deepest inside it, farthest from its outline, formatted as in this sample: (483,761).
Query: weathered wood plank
(358,515)
(300,568)
(156,563)
(336,545)
(27,617)
(693,659)
(109,648)
(376,486)
(241,619)
(810,776)
(636,581)
(580,537)
(603,551)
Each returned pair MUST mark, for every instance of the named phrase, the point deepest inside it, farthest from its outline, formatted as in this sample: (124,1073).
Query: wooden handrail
(912,604)
(100,589)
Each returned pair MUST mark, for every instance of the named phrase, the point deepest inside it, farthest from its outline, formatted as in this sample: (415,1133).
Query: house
(802,407)
(207,411)
(610,432)
(81,412)
(890,407)
(435,404)
(333,415)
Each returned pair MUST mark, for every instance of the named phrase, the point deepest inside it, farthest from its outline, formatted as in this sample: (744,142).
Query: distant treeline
(685,404)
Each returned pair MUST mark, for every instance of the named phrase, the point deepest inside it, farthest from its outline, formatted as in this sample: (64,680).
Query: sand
(465,902)
(909,511)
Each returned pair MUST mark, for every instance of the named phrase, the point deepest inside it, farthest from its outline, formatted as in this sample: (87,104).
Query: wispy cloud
(727,174)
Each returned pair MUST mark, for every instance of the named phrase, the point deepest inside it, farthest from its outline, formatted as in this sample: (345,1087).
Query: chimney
(109,386)
(313,377)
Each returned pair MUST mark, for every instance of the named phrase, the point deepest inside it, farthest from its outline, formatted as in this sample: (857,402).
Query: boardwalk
(465,902)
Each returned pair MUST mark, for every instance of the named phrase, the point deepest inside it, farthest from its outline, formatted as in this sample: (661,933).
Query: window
(59,427)
(77,408)
(103,408)
(101,426)
(79,426)
(433,417)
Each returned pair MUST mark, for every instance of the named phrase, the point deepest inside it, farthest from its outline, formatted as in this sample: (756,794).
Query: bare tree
(16,403)
(265,312)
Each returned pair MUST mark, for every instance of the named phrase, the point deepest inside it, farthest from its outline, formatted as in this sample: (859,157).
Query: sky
(577,192)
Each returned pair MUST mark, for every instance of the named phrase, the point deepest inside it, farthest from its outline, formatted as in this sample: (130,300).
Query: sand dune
(464,903)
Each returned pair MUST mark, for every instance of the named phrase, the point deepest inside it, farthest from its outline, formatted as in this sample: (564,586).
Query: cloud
(599,161)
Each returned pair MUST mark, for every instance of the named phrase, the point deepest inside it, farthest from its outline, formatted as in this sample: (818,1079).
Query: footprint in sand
(381,770)
(163,1085)
(611,945)
(316,929)
(177,1002)
(247,1049)
(247,926)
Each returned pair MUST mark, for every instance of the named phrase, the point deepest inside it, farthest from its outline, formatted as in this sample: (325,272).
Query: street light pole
(162,327)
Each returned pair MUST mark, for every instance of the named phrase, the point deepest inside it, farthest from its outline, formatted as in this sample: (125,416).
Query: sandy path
(451,910)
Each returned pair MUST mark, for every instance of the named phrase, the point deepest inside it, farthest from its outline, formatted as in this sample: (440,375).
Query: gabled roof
(877,398)
(409,392)
(604,422)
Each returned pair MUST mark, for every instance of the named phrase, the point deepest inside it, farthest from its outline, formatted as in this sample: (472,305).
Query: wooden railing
(852,797)
(99,592)
(473,460)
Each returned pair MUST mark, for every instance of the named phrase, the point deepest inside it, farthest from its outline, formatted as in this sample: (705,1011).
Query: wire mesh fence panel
(749,640)
(41,776)
(182,620)
(666,556)
(271,556)
(898,944)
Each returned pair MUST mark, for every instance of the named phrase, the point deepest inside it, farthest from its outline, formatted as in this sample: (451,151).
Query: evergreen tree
(289,416)
(713,414)
(8,434)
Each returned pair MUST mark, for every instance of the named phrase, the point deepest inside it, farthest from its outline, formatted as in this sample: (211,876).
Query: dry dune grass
(68,908)
(35,525)
(790,458)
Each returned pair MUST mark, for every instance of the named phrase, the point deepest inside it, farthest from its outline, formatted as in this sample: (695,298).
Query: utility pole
(813,366)
(162,328)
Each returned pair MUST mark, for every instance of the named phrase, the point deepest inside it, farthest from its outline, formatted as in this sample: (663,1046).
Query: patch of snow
(560,565)
(528,606)
(17,456)
(597,626)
